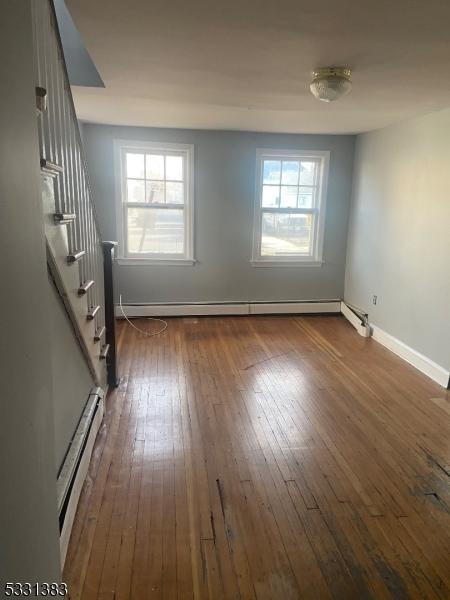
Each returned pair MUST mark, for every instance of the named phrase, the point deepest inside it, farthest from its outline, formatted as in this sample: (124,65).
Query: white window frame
(315,258)
(121,147)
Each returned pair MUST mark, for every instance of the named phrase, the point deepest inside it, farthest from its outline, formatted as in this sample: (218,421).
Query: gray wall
(224,196)
(399,233)
(29,540)
(80,68)
(71,378)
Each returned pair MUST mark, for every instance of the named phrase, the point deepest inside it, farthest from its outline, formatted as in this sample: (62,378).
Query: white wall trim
(121,205)
(229,308)
(424,364)
(287,263)
(414,358)
(149,262)
(353,318)
(319,208)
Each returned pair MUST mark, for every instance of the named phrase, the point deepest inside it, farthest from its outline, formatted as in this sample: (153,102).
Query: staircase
(74,247)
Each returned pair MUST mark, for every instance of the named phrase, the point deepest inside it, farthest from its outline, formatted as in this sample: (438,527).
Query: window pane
(174,193)
(289,175)
(155,192)
(306,197)
(307,173)
(271,171)
(155,230)
(155,166)
(271,196)
(174,168)
(289,196)
(135,165)
(135,191)
(286,234)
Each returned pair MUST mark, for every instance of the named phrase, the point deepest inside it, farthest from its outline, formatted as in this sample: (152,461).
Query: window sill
(286,263)
(153,262)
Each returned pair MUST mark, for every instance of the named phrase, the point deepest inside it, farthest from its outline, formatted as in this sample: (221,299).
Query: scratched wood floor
(265,457)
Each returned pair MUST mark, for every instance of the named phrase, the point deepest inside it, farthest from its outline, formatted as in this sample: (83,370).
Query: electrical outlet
(374,299)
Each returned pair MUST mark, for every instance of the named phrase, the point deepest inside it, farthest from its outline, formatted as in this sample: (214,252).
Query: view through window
(156,202)
(289,200)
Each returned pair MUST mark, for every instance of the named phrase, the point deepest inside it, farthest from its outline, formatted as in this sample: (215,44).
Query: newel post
(110,317)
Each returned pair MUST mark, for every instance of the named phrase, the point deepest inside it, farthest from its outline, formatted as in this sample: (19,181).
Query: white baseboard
(76,465)
(414,358)
(422,363)
(230,308)
(353,318)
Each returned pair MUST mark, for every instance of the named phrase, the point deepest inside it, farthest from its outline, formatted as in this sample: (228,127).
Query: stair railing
(67,195)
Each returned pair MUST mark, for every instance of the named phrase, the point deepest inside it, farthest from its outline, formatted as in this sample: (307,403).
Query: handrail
(63,162)
(74,113)
(109,249)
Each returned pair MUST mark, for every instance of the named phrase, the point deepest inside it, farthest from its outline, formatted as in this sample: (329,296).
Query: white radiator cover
(76,464)
(229,308)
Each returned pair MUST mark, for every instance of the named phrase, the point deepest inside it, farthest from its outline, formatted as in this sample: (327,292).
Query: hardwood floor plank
(265,457)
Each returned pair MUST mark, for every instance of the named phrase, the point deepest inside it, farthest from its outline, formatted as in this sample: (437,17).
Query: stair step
(99,333)
(104,352)
(75,256)
(64,218)
(50,168)
(84,288)
(91,314)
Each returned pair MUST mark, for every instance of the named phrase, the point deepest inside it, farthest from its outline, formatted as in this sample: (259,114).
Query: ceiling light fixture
(330,83)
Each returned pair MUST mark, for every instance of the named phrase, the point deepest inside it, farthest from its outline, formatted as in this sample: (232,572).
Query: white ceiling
(246,64)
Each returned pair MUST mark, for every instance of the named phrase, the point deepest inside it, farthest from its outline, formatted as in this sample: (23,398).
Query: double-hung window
(289,207)
(155,202)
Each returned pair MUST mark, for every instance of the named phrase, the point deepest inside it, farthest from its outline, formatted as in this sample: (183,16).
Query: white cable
(148,318)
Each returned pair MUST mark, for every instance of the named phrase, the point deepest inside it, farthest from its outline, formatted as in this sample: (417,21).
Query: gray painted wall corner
(399,242)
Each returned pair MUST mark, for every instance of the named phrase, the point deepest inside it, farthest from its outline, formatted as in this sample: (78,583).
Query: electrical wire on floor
(165,324)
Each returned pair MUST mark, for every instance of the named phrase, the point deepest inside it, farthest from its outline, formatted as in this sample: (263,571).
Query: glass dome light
(330,83)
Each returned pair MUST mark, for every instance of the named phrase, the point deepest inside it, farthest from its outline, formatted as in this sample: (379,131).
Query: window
(289,207)
(155,202)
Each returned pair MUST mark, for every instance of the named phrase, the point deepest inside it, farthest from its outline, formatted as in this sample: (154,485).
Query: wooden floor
(265,457)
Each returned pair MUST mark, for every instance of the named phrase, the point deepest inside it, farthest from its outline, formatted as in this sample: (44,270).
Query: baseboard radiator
(422,363)
(358,319)
(76,463)
(229,308)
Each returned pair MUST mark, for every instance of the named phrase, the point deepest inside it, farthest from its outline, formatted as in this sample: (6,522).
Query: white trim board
(422,363)
(317,208)
(230,308)
(122,204)
(354,320)
(414,358)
